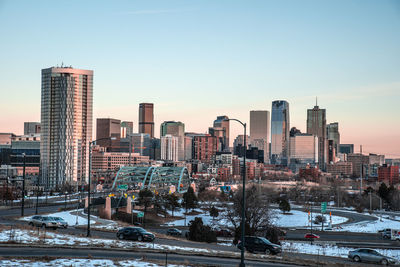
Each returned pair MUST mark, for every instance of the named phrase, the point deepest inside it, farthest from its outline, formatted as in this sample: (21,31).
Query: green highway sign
(323,207)
(122,187)
(140,215)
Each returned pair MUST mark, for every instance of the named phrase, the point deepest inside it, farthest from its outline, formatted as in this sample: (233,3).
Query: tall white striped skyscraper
(66,119)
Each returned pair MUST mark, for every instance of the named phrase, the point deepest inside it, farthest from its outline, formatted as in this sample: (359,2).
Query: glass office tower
(66,120)
(280,127)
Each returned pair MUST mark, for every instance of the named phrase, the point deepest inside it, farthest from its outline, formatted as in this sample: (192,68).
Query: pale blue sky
(199,59)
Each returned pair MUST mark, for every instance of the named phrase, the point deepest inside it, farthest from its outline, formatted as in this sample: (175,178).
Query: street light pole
(23,187)
(242,264)
(90,180)
(37,195)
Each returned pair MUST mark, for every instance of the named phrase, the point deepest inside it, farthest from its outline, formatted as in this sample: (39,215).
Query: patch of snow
(298,218)
(52,238)
(369,226)
(68,217)
(79,263)
(329,250)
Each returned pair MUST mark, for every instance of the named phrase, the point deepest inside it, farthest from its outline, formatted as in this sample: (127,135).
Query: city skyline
(351,65)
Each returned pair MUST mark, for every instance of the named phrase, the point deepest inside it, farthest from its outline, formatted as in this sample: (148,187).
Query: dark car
(370,255)
(223,233)
(135,233)
(174,231)
(259,244)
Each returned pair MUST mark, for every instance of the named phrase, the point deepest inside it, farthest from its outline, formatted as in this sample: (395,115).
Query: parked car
(174,231)
(43,221)
(370,255)
(135,233)
(61,222)
(223,232)
(309,235)
(259,244)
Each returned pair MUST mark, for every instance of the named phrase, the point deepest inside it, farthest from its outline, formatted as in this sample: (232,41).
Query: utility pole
(23,188)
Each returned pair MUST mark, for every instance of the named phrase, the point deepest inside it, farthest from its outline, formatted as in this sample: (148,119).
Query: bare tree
(257,212)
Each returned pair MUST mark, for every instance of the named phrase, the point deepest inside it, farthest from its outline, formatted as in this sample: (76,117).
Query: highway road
(7,217)
(15,252)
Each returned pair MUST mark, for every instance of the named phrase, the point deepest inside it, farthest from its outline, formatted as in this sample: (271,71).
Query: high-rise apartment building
(316,125)
(146,118)
(169,147)
(280,127)
(126,128)
(105,129)
(259,131)
(66,125)
(32,128)
(332,133)
(175,128)
(220,130)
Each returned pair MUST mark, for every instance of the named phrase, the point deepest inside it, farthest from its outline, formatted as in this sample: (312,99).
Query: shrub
(200,232)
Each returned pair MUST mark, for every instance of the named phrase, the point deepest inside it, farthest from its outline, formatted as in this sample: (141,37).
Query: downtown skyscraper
(175,128)
(220,130)
(66,125)
(280,128)
(316,125)
(146,118)
(259,131)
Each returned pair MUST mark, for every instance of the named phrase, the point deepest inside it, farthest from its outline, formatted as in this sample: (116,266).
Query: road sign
(111,195)
(323,207)
(140,215)
(122,187)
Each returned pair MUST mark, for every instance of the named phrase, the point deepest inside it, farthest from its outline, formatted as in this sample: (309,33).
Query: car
(223,232)
(370,255)
(259,244)
(309,235)
(174,231)
(61,222)
(43,221)
(135,233)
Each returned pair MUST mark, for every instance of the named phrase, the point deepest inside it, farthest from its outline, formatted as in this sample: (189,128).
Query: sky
(196,60)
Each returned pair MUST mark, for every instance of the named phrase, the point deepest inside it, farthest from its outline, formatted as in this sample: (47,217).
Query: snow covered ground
(52,238)
(329,250)
(68,217)
(71,218)
(369,227)
(298,218)
(295,218)
(79,263)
